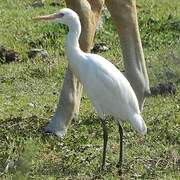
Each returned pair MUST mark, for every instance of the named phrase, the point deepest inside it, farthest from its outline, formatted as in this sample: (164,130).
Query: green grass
(29,91)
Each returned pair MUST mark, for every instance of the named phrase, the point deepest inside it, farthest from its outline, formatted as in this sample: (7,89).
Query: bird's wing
(107,86)
(107,76)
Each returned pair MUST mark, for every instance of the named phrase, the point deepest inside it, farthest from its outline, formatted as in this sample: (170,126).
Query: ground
(29,90)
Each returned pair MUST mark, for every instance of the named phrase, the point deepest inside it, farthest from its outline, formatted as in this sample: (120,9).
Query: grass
(29,91)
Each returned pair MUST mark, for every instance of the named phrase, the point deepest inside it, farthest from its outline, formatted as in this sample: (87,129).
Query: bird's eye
(60,15)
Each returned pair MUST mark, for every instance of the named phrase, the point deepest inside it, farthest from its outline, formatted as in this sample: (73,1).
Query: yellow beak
(46,17)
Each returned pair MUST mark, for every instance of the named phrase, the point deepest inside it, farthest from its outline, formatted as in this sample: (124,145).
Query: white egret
(108,89)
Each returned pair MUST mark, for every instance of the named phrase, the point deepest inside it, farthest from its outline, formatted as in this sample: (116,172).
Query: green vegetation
(29,91)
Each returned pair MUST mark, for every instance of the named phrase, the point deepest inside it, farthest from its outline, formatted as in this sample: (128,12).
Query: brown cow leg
(124,15)
(69,102)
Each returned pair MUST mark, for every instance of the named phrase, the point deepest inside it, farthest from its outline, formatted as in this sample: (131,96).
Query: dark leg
(105,137)
(121,149)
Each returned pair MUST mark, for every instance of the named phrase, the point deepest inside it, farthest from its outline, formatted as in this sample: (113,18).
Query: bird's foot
(101,168)
(120,171)
(119,166)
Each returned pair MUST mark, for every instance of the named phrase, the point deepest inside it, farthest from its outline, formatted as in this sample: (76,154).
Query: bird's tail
(138,123)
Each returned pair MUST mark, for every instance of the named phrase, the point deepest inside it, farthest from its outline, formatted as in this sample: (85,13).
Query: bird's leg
(105,138)
(121,149)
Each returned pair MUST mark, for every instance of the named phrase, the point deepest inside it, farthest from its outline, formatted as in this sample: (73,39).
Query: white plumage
(109,91)
(107,88)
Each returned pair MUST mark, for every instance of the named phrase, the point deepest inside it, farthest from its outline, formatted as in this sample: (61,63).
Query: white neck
(72,40)
(72,48)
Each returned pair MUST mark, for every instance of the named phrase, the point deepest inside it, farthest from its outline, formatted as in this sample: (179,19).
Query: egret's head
(65,16)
